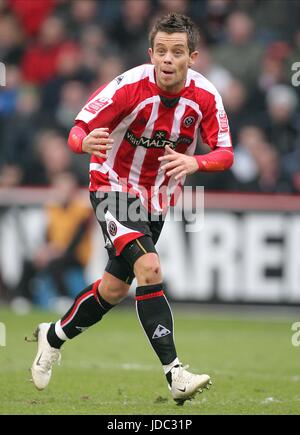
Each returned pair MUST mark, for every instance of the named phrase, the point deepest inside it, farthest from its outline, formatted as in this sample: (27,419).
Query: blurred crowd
(56,52)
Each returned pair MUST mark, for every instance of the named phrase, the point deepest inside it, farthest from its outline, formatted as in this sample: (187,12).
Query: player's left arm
(180,165)
(215,133)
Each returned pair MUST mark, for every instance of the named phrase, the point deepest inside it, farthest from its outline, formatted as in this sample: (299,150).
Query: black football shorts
(129,230)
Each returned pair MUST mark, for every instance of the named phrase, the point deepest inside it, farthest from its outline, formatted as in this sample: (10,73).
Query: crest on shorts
(112,228)
(189,121)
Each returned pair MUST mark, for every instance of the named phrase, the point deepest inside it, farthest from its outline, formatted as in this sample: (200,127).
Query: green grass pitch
(111,369)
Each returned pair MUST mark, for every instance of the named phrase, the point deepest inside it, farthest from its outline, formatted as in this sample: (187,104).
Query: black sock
(88,308)
(53,338)
(169,375)
(156,318)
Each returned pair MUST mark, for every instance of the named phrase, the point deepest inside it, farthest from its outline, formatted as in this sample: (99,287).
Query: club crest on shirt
(112,228)
(189,121)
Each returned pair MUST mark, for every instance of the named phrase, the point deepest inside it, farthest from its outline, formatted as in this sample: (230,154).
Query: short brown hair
(173,23)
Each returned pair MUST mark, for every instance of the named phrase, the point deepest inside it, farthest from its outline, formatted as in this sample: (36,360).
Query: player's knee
(113,290)
(147,269)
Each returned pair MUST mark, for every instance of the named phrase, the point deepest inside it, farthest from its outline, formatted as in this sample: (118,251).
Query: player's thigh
(141,254)
(147,268)
(126,228)
(120,269)
(122,219)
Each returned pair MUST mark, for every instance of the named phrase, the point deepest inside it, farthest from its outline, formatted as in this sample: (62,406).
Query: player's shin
(88,308)
(156,318)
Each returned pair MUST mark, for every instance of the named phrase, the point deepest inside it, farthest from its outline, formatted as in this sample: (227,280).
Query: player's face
(171,58)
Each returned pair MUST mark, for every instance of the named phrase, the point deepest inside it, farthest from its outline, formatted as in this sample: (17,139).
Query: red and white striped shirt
(142,119)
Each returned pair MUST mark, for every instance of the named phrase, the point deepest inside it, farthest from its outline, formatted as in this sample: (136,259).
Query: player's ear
(150,52)
(193,57)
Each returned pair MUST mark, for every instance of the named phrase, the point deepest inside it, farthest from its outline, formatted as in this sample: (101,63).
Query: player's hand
(177,164)
(97,142)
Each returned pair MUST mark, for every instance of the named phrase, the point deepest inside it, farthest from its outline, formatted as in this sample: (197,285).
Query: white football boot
(46,356)
(185,385)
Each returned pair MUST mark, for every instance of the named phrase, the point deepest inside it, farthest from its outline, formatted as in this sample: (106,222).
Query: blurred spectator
(276,20)
(212,22)
(40,60)
(291,168)
(215,73)
(8,101)
(282,122)
(94,38)
(272,73)
(82,13)
(56,269)
(72,98)
(9,94)
(130,30)
(235,99)
(11,40)
(111,67)
(273,65)
(95,46)
(18,133)
(3,6)
(11,175)
(178,6)
(32,13)
(163,7)
(256,162)
(241,53)
(69,68)
(50,159)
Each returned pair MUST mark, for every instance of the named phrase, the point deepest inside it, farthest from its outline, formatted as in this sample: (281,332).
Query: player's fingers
(167,157)
(94,142)
(169,165)
(101,147)
(98,154)
(104,141)
(101,129)
(175,171)
(100,132)
(169,150)
(180,175)
(102,135)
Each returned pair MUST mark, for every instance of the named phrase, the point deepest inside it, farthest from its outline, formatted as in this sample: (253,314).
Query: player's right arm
(96,142)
